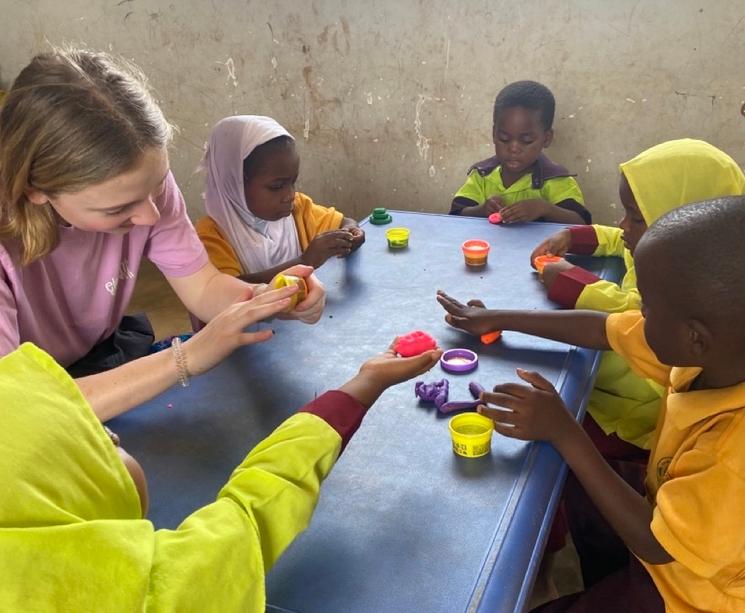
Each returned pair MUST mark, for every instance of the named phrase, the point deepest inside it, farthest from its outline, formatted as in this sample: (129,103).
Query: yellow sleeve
(218,248)
(562,188)
(473,189)
(610,241)
(313,219)
(625,333)
(609,297)
(266,503)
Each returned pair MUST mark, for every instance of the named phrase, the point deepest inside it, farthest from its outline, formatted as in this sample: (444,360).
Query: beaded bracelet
(181,367)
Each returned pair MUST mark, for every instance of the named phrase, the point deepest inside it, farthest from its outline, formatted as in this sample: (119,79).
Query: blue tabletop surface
(402,524)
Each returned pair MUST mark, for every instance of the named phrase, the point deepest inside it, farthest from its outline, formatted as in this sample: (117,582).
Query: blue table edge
(487,595)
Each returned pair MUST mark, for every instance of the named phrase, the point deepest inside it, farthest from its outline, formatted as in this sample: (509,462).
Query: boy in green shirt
(520,182)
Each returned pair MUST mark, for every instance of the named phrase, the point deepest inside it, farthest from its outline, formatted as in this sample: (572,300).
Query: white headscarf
(258,243)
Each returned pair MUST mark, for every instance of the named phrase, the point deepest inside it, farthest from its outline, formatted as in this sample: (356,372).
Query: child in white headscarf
(257,224)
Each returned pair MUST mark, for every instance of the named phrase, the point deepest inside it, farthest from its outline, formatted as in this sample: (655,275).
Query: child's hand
(382,371)
(327,245)
(493,205)
(389,369)
(358,236)
(534,412)
(527,210)
(556,244)
(553,270)
(472,317)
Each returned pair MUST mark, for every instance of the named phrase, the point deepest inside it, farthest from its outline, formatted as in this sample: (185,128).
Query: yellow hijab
(680,172)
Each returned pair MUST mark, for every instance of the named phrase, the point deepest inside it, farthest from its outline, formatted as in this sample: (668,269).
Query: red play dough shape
(495,218)
(414,343)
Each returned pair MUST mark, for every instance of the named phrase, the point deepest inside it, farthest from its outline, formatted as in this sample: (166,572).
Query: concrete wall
(391,100)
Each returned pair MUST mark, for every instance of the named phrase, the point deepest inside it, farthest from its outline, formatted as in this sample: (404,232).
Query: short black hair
(255,160)
(528,94)
(705,239)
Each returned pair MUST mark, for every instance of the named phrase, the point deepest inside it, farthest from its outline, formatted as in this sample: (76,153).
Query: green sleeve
(473,189)
(218,557)
(562,188)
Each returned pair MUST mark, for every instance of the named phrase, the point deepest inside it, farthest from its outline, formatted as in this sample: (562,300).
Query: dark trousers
(614,579)
(131,340)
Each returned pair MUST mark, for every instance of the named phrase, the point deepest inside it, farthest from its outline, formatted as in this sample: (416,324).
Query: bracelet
(181,368)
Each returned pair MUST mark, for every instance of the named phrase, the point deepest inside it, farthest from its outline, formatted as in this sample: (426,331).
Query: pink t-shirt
(73,298)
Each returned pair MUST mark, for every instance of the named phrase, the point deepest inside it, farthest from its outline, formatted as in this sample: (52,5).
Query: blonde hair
(72,118)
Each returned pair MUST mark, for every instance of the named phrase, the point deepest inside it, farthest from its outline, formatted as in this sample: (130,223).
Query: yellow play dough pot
(471,434)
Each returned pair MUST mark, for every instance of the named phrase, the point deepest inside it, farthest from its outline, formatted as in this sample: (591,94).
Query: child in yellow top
(660,179)
(257,224)
(520,182)
(73,532)
(687,530)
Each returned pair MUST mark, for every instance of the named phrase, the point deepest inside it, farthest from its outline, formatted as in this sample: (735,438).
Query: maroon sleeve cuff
(340,411)
(567,287)
(584,240)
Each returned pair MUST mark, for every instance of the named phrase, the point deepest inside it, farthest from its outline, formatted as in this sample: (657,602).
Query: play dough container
(476,252)
(540,261)
(459,360)
(380,216)
(471,434)
(398,238)
(284,280)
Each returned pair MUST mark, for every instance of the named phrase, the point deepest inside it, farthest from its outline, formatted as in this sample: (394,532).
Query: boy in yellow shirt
(687,530)
(519,182)
(73,533)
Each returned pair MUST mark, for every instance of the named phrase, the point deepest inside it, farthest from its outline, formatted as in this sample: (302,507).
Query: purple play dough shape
(436,392)
(464,405)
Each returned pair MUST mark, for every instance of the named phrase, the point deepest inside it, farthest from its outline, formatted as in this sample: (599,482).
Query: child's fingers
(476,303)
(535,380)
(500,399)
(517,390)
(511,431)
(498,416)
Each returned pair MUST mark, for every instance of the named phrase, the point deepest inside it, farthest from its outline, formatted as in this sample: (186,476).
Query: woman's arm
(120,389)
(208,292)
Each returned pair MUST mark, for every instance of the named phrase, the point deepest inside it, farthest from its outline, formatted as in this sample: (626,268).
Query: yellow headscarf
(680,172)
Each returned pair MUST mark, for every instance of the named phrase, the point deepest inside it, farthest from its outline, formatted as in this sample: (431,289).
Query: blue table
(403,524)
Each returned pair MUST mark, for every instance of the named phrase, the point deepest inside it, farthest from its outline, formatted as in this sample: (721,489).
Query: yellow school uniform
(622,402)
(695,480)
(311,219)
(72,536)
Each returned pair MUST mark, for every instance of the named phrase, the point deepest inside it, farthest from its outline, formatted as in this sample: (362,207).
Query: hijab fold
(258,243)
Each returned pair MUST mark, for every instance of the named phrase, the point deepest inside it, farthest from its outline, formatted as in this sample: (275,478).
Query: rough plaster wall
(391,100)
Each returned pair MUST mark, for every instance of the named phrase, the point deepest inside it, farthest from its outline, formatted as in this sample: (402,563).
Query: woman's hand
(226,332)
(308,311)
(556,244)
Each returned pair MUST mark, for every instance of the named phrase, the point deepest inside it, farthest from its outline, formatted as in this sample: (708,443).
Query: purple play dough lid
(459,360)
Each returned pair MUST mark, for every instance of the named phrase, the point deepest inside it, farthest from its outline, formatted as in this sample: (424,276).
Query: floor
(154,296)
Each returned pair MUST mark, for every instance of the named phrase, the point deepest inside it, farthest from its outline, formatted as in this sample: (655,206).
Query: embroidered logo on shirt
(662,466)
(124,273)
